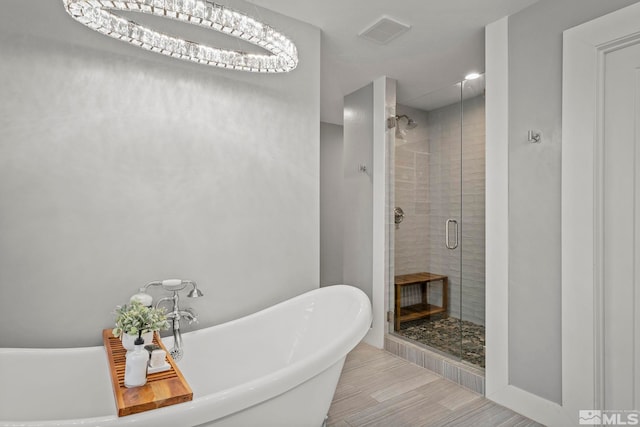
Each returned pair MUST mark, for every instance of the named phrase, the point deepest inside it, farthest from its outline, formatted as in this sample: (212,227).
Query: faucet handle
(190,315)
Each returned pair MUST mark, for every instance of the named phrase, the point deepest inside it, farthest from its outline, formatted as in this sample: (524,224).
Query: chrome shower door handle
(447,226)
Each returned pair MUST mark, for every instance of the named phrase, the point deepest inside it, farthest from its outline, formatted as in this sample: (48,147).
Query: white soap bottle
(135,371)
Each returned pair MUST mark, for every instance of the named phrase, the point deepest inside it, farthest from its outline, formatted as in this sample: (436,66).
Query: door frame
(585,48)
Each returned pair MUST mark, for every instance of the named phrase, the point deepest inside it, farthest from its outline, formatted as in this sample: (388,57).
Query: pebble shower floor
(443,333)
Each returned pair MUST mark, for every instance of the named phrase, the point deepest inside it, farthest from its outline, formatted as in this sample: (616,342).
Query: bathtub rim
(289,376)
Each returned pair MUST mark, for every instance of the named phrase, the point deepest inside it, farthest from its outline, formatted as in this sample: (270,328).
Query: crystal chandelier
(282,57)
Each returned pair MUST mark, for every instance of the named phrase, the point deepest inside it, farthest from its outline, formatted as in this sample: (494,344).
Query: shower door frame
(457,218)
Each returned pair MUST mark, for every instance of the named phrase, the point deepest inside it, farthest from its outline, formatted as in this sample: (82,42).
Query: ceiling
(445,42)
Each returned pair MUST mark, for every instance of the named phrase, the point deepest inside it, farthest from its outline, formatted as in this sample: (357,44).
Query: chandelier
(282,57)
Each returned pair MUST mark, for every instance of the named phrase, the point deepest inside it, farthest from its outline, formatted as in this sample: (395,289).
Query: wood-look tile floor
(377,388)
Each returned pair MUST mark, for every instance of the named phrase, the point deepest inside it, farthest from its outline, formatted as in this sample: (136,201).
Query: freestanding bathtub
(278,367)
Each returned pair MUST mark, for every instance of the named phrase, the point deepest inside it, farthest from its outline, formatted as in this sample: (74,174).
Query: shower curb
(466,376)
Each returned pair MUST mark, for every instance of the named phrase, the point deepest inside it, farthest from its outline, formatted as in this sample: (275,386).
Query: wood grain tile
(378,389)
(403,386)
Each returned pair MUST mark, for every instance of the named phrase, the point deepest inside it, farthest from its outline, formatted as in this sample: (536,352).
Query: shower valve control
(398,214)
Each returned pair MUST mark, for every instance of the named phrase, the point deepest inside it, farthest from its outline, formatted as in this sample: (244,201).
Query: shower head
(195,292)
(411,124)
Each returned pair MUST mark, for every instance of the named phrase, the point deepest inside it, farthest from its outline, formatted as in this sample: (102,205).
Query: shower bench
(423,309)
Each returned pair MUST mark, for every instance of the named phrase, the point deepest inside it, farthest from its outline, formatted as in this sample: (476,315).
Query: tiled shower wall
(428,172)
(412,195)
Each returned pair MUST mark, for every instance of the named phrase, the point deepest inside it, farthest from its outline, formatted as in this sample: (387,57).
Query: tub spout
(177,351)
(176,315)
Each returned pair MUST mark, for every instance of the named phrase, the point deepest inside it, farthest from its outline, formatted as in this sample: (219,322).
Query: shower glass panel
(472,303)
(438,183)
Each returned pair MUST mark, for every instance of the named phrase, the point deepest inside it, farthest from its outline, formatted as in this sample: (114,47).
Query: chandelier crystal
(97,15)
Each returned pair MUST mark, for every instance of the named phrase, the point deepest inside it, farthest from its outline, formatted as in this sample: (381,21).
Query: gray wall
(331,204)
(535,94)
(358,190)
(120,166)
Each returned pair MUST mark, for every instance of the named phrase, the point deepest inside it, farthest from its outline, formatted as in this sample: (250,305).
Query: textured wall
(121,168)
(331,204)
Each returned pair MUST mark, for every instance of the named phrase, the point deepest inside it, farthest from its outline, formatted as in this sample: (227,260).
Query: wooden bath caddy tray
(162,388)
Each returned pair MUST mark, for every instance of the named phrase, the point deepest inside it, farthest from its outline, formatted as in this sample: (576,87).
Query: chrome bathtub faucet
(176,314)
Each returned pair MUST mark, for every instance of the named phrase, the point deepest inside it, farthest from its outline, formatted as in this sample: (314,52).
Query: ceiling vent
(384,30)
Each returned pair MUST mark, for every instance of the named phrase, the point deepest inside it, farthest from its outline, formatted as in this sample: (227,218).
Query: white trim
(535,407)
(375,336)
(497,207)
(582,189)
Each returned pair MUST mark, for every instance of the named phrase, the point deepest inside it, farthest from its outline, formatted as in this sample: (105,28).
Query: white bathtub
(278,367)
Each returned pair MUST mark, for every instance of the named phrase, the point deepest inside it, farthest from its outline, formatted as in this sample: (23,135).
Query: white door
(621,220)
(601,215)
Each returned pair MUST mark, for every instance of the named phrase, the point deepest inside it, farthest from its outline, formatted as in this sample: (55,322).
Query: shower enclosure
(438,184)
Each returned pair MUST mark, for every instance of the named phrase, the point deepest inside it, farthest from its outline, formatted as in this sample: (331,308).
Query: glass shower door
(472,303)
(427,243)
(444,123)
(438,196)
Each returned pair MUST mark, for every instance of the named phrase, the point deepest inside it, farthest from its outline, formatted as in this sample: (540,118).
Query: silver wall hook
(534,136)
